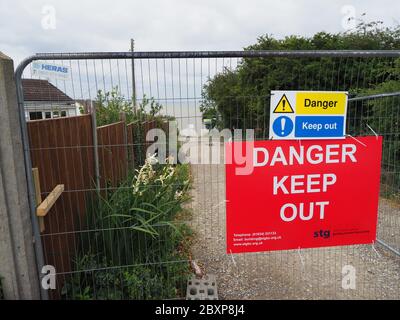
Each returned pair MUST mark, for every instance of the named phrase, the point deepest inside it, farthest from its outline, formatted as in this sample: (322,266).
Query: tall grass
(134,246)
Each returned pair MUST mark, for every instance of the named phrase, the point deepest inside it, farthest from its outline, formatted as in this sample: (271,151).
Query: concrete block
(202,289)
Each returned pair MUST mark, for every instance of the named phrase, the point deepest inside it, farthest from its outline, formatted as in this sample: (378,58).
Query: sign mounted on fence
(314,194)
(307,115)
(49,70)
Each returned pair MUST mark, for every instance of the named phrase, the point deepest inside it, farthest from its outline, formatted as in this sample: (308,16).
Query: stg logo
(322,234)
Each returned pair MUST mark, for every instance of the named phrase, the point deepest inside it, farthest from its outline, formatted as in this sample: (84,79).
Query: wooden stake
(36,181)
(43,207)
(48,203)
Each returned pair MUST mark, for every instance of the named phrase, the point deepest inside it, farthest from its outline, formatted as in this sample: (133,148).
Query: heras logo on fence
(302,195)
(307,115)
(50,70)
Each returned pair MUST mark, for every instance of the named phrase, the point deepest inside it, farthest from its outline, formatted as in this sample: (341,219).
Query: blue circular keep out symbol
(282,126)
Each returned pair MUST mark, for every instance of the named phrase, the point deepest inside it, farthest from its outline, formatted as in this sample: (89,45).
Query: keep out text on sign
(314,194)
(308,115)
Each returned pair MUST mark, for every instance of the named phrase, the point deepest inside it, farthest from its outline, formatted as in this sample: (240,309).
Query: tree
(241,96)
(109,106)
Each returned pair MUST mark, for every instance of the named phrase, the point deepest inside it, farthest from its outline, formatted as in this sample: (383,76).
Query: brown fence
(113,154)
(63,150)
(130,131)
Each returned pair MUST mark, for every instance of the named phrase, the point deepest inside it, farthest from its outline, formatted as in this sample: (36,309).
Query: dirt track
(304,274)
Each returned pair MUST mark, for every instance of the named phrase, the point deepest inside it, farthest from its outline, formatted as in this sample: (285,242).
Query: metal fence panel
(184,83)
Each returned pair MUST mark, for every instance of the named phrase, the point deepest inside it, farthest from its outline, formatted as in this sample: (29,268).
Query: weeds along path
(305,274)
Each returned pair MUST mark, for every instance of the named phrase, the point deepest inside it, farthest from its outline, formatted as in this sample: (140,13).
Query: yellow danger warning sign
(298,114)
(321,103)
(283,106)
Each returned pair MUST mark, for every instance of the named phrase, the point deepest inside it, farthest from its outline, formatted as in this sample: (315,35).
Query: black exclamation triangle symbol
(283,104)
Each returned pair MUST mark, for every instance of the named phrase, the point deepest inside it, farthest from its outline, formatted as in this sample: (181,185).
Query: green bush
(110,105)
(135,245)
(240,97)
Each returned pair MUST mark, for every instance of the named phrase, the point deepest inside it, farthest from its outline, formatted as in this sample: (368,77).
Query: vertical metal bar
(133,75)
(95,145)
(390,248)
(122,117)
(30,184)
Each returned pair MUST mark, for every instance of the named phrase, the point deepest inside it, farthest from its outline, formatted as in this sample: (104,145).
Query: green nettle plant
(136,244)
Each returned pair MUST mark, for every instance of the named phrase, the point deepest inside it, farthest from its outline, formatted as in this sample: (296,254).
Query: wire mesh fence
(127,227)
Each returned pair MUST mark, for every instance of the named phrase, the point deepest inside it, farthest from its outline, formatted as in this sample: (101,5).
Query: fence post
(17,254)
(95,145)
(122,117)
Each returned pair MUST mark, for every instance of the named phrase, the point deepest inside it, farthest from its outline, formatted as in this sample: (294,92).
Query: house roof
(42,90)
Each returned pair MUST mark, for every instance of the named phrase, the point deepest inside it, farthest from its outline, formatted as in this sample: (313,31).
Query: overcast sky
(28,27)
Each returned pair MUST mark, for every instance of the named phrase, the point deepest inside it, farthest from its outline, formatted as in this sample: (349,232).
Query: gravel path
(305,274)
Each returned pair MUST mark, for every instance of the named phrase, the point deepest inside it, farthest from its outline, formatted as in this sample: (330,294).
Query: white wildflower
(178,195)
(144,176)
(161,178)
(169,172)
(152,159)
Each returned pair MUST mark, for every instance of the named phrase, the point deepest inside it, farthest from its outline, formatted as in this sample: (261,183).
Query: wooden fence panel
(62,150)
(113,155)
(130,132)
(136,135)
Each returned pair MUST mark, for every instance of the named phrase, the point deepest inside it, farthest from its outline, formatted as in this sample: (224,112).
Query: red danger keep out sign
(302,195)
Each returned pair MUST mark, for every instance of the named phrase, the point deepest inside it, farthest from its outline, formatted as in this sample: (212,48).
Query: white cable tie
(376,251)
(349,135)
(233,259)
(301,257)
(372,131)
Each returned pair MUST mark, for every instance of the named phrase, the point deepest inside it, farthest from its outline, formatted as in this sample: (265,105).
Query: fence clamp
(43,207)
